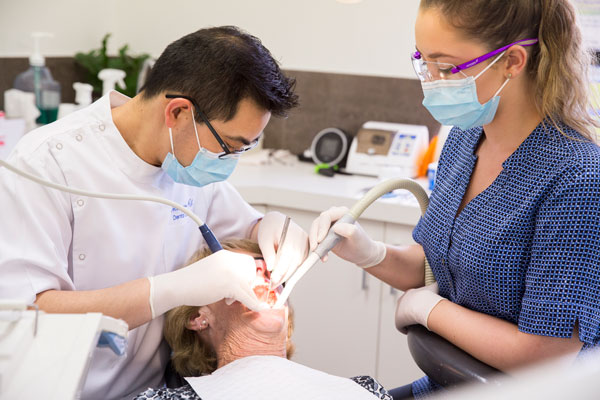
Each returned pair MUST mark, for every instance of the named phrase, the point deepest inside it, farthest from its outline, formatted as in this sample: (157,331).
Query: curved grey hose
(113,196)
(353,214)
(388,186)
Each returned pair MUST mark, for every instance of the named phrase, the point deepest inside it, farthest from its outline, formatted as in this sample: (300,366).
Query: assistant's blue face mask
(455,102)
(206,168)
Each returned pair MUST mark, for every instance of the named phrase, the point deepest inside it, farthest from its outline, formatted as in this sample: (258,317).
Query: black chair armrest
(445,363)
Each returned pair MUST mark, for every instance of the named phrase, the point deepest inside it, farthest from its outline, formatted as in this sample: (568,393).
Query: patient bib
(274,378)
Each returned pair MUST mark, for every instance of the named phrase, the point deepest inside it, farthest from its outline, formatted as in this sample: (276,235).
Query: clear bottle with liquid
(38,80)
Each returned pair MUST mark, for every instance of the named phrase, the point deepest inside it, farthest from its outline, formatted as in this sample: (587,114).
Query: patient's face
(262,282)
(237,315)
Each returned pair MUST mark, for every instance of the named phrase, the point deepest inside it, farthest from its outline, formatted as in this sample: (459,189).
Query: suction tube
(355,212)
(207,234)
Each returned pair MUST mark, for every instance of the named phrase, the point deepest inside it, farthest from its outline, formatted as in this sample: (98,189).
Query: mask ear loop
(489,66)
(501,87)
(196,129)
(171,137)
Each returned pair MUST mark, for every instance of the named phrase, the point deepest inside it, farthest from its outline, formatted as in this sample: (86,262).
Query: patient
(228,351)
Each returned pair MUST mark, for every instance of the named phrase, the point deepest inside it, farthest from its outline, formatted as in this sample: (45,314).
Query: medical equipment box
(386,150)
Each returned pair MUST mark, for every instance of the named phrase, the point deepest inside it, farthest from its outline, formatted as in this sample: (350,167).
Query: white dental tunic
(55,240)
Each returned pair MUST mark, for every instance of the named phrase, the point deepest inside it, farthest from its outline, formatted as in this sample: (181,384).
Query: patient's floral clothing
(187,393)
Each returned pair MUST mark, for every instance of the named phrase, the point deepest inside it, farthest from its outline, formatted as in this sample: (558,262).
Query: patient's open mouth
(262,282)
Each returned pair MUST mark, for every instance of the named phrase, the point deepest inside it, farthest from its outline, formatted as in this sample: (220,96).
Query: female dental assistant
(511,231)
(208,98)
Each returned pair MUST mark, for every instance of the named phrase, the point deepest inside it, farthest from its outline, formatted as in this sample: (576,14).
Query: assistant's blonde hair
(191,356)
(558,64)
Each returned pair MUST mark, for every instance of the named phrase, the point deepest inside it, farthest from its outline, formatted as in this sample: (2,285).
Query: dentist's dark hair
(557,65)
(219,67)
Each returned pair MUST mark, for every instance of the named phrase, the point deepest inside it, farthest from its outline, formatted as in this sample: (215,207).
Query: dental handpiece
(353,214)
(284,230)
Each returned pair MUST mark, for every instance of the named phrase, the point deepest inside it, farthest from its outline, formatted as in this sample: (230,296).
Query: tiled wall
(346,102)
(327,100)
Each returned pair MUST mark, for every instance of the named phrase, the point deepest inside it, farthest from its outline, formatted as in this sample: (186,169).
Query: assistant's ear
(175,109)
(516,61)
(199,321)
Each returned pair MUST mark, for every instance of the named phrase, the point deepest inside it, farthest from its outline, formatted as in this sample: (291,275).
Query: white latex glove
(356,246)
(223,274)
(291,254)
(415,305)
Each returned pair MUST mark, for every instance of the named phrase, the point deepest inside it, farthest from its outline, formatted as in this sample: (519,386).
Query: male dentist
(206,101)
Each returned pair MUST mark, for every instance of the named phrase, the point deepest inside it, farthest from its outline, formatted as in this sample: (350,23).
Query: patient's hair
(192,356)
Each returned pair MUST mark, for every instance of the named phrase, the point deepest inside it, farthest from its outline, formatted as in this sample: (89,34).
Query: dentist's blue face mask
(206,168)
(455,102)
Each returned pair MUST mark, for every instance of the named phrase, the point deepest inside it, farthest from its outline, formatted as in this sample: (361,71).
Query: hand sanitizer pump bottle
(38,79)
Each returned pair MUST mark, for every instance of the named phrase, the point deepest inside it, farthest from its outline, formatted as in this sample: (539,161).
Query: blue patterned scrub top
(527,248)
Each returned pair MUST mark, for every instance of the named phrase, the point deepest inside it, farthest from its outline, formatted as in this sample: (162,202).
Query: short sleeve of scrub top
(526,249)
(228,214)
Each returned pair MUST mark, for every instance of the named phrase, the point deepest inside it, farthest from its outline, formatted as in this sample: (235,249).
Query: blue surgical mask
(455,102)
(206,168)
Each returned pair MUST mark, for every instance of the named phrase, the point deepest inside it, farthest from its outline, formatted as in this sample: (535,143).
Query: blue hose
(209,237)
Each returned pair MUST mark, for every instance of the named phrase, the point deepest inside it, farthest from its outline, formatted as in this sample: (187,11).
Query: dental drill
(207,234)
(355,212)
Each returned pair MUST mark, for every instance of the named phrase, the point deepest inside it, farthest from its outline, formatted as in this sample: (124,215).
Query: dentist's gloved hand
(223,274)
(292,253)
(356,246)
(415,305)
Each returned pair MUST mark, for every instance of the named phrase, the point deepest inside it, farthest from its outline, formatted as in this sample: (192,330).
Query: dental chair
(444,363)
(172,378)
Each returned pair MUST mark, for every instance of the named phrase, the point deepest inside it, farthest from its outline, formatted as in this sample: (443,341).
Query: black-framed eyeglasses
(226,151)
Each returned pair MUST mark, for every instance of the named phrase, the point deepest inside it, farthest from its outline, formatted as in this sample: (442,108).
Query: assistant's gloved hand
(223,274)
(415,305)
(291,254)
(356,246)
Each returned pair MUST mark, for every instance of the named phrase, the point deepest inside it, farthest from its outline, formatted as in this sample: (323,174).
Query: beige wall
(373,37)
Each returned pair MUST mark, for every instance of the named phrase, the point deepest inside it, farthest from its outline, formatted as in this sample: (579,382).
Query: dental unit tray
(47,356)
(387,149)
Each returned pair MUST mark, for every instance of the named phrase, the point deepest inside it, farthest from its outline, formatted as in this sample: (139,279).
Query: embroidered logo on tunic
(178,214)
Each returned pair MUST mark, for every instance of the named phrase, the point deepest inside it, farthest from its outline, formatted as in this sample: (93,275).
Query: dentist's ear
(173,110)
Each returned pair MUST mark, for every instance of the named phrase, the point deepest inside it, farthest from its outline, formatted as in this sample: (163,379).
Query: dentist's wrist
(158,304)
(165,292)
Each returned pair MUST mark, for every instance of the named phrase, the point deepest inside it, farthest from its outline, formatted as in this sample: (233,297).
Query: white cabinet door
(395,366)
(336,312)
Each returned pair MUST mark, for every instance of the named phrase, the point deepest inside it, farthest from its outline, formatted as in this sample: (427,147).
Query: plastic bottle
(83,98)
(38,79)
(83,94)
(110,77)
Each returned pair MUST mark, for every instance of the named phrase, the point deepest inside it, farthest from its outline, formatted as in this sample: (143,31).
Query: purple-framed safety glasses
(480,59)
